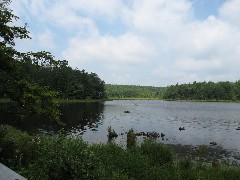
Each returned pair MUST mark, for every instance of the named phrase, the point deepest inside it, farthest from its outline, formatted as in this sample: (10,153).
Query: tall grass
(48,157)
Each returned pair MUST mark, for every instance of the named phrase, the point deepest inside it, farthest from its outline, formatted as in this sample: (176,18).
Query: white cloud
(230,11)
(110,9)
(126,49)
(160,17)
(162,43)
(192,65)
(168,75)
(46,40)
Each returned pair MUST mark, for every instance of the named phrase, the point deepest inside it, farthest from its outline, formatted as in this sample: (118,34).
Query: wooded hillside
(133,91)
(204,91)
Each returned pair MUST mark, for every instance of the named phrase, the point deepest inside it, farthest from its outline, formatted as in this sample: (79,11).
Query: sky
(138,42)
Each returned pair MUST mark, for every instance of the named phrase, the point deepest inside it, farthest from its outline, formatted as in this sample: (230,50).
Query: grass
(57,157)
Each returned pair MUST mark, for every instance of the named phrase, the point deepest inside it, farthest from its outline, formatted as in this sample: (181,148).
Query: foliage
(59,77)
(29,97)
(185,163)
(131,138)
(9,33)
(48,157)
(159,154)
(204,91)
(33,99)
(131,91)
(45,157)
(111,133)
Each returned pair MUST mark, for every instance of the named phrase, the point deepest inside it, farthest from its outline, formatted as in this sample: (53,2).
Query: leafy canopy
(30,97)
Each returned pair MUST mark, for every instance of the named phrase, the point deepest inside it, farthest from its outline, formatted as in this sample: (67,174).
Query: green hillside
(133,91)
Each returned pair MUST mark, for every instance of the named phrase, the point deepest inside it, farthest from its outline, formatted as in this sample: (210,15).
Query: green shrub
(158,153)
(16,148)
(185,163)
(63,158)
(131,138)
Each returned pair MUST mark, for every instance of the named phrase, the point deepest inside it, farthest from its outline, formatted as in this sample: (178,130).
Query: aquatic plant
(131,138)
(111,133)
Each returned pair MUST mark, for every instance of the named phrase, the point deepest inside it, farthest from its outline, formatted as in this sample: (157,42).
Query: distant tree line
(133,91)
(204,91)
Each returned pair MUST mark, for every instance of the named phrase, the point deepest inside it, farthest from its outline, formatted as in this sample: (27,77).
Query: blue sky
(204,8)
(140,42)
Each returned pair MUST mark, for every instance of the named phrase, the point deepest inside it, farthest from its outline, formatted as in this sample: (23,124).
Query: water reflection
(76,117)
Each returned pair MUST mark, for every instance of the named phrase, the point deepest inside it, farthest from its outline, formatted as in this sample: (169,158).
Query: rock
(162,135)
(127,111)
(153,135)
(141,134)
(144,134)
(112,135)
(213,143)
(138,134)
(238,128)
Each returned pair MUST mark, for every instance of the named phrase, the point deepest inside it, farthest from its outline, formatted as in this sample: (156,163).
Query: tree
(30,98)
(204,91)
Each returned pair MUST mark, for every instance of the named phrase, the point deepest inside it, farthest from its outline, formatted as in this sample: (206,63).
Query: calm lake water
(204,123)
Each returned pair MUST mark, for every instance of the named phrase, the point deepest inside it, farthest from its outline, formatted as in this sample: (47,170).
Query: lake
(204,122)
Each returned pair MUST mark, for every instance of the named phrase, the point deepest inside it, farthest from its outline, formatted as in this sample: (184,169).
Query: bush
(131,138)
(185,164)
(16,149)
(158,153)
(62,158)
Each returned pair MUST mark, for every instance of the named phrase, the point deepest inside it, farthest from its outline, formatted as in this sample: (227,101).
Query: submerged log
(112,135)
(153,135)
(181,128)
(150,134)
(162,135)
(141,134)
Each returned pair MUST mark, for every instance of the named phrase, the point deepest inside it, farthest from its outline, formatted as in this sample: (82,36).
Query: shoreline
(111,99)
(196,100)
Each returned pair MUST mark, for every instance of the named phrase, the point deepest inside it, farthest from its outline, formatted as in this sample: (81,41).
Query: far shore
(111,99)
(197,100)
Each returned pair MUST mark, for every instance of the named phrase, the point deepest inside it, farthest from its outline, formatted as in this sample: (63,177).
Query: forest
(56,76)
(133,91)
(229,91)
